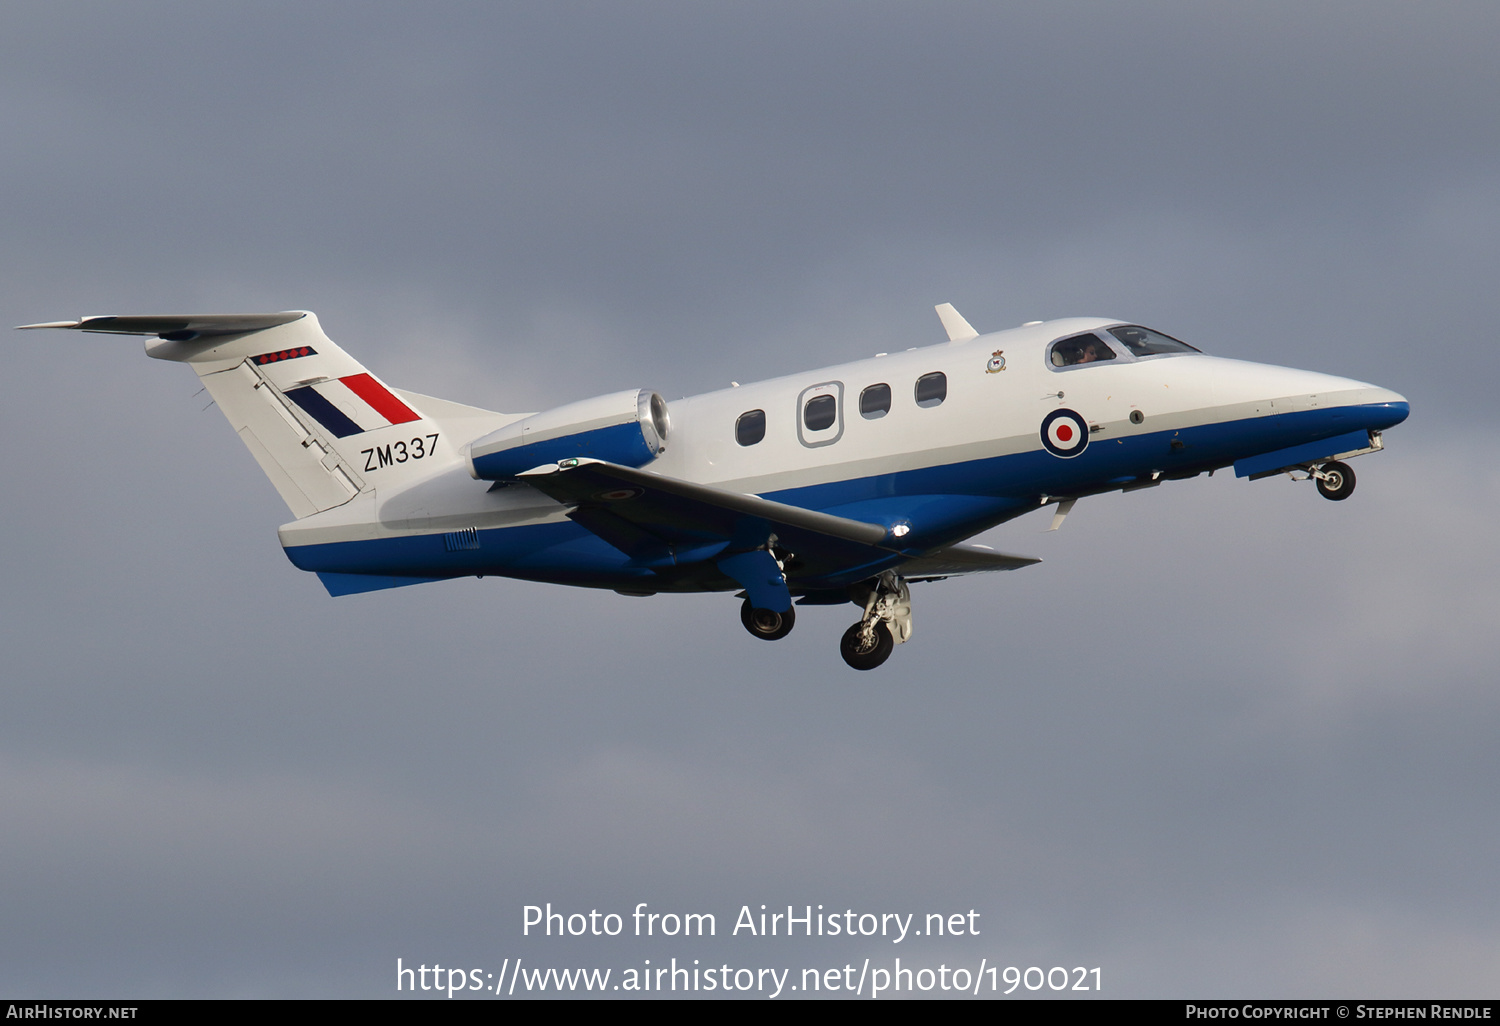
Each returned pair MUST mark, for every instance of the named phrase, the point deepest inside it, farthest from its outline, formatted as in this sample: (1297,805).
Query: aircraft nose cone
(1387,410)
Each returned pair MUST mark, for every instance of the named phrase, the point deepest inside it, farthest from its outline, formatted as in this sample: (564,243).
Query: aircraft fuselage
(831,486)
(944,468)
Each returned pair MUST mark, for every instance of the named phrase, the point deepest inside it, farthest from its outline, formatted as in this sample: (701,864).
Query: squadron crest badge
(997,362)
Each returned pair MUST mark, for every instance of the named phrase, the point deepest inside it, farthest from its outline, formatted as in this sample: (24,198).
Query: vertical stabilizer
(318,423)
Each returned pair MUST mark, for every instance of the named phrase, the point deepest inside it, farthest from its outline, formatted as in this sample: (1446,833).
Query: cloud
(1229,736)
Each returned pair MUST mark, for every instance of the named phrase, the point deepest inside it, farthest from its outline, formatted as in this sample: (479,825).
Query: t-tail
(315,419)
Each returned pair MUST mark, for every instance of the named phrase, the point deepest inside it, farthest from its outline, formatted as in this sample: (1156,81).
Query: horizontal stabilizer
(177,327)
(956,560)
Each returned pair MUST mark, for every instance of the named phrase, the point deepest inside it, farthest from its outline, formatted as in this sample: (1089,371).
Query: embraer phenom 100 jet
(840,485)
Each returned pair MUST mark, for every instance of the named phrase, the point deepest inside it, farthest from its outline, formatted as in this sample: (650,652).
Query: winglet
(958,329)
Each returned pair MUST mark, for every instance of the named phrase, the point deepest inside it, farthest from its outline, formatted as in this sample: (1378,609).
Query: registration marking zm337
(399,452)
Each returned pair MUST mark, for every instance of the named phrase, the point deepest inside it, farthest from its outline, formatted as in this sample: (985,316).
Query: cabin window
(932,389)
(751,427)
(875,401)
(820,412)
(1145,342)
(1080,349)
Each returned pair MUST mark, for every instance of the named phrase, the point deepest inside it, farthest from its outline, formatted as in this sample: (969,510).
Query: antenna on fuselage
(958,329)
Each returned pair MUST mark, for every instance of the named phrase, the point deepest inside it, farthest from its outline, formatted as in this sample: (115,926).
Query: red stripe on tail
(380,398)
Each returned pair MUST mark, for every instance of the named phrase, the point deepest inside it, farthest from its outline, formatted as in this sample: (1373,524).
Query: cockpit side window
(1145,342)
(1080,349)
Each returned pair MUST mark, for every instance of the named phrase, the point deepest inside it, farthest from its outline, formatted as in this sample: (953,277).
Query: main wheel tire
(766,624)
(866,655)
(1337,482)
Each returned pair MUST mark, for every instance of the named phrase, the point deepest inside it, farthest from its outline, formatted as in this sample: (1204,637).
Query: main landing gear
(865,646)
(886,623)
(766,624)
(1335,480)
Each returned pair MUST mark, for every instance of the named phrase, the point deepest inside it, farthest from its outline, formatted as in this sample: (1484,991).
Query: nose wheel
(767,624)
(1335,480)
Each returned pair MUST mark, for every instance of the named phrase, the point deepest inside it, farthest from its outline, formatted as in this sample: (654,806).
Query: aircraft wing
(665,521)
(960,559)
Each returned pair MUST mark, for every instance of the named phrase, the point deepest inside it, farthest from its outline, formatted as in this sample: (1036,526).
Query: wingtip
(48,324)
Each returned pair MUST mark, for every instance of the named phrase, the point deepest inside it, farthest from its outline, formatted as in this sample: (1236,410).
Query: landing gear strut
(766,624)
(1335,480)
(886,623)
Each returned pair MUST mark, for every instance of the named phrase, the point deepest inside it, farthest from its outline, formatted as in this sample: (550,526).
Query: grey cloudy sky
(1228,740)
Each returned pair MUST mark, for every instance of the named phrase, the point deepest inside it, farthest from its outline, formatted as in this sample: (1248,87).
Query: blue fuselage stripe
(942,503)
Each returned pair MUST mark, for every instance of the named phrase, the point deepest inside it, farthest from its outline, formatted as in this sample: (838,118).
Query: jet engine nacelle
(629,428)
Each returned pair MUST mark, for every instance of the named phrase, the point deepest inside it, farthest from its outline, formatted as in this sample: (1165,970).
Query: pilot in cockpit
(1083,349)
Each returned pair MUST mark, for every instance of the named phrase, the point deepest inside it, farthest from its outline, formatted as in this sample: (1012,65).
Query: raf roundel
(1064,433)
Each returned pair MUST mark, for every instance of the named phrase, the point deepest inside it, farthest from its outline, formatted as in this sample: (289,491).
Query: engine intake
(629,428)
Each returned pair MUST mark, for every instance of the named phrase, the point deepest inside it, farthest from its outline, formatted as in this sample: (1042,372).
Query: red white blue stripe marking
(352,405)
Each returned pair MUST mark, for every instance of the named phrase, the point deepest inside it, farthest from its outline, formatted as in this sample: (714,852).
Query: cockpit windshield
(1145,342)
(1080,349)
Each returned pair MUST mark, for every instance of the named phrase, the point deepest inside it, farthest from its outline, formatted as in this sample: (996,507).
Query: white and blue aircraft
(834,486)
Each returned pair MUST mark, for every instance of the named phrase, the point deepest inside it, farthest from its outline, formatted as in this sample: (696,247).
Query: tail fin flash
(316,421)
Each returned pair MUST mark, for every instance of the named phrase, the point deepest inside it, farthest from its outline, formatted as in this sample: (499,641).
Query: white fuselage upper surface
(996,389)
(984,414)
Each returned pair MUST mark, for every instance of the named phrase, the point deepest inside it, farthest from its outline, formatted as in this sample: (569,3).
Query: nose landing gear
(1335,480)
(886,623)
